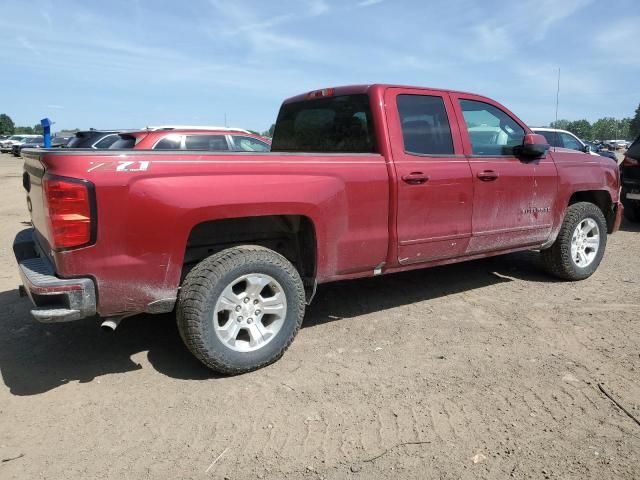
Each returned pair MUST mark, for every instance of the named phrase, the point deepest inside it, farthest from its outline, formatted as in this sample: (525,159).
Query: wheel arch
(292,236)
(602,199)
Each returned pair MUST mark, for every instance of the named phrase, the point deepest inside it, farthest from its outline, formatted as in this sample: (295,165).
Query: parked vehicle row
(359,181)
(38,142)
(7,144)
(564,139)
(616,144)
(179,137)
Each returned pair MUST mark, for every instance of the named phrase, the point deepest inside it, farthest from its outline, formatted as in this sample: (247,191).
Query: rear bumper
(55,299)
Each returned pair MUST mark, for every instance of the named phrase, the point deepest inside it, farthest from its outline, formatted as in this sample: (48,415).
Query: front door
(511,205)
(434,184)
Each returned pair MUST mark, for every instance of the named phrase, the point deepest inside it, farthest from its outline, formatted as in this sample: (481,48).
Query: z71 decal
(137,166)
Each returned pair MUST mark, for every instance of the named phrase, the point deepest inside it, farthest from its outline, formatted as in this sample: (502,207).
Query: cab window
(491,131)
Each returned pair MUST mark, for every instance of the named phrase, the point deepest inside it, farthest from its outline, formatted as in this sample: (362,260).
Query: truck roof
(365,88)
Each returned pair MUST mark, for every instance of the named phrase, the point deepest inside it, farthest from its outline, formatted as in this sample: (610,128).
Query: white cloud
(543,14)
(489,44)
(28,45)
(618,43)
(369,3)
(318,7)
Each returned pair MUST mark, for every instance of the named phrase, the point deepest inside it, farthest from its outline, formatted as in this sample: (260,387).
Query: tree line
(7,127)
(607,128)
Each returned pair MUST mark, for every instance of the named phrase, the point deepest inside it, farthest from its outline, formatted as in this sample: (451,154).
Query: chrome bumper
(55,299)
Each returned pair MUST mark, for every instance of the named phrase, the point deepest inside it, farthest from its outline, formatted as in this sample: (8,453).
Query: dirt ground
(488,369)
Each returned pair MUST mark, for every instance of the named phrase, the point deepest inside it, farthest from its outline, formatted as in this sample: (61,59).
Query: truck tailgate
(34,171)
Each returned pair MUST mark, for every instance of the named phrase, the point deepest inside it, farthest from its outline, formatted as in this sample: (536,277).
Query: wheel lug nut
(249,320)
(246,300)
(239,319)
(257,312)
(255,302)
(238,308)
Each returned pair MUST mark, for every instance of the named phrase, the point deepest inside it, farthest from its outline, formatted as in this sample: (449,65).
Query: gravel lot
(488,369)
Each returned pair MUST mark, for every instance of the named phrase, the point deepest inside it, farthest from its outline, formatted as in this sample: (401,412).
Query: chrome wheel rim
(250,312)
(585,243)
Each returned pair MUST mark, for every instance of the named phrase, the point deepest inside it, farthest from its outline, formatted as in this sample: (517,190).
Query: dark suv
(98,139)
(630,176)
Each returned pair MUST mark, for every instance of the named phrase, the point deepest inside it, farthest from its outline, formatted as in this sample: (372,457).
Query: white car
(5,145)
(563,139)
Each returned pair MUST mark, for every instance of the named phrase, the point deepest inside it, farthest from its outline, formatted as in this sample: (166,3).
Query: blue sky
(128,64)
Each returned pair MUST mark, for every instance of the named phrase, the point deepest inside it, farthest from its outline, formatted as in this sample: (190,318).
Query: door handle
(415,178)
(487,175)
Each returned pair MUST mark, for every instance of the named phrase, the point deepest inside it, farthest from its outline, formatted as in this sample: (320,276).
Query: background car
(38,142)
(600,149)
(563,139)
(212,139)
(6,145)
(630,179)
(34,142)
(96,139)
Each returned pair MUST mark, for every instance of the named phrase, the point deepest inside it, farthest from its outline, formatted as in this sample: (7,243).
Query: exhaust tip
(110,325)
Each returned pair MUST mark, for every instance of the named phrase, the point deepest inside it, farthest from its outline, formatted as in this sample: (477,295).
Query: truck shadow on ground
(36,358)
(628,226)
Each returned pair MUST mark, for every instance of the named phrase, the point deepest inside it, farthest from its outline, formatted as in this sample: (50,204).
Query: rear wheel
(580,244)
(240,309)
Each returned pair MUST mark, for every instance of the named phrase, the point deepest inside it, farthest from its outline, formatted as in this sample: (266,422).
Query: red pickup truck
(361,181)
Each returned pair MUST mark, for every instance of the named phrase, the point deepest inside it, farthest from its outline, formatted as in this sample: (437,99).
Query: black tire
(557,259)
(203,286)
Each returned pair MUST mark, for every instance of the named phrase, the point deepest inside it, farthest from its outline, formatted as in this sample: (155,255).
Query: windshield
(334,124)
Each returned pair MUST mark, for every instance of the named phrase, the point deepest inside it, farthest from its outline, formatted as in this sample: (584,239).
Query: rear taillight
(630,162)
(68,206)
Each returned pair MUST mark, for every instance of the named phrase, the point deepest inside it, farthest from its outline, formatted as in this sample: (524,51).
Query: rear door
(513,197)
(434,185)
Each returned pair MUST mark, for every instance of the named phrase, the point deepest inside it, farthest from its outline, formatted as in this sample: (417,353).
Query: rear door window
(249,144)
(425,126)
(211,143)
(491,131)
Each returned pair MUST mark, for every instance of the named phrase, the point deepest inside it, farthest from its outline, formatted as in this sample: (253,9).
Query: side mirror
(533,145)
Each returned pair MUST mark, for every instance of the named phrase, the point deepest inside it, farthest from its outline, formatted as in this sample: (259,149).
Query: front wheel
(240,309)
(580,245)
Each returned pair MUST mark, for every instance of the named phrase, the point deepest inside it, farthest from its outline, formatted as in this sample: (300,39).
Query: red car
(212,139)
(360,181)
